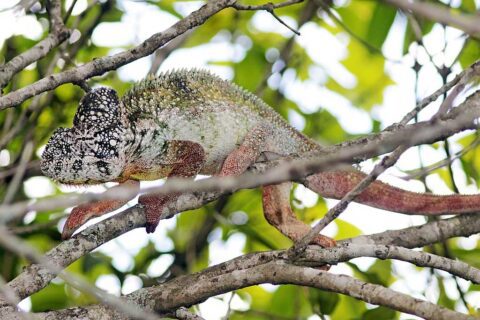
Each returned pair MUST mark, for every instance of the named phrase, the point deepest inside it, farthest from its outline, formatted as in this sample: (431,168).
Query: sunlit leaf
(324,301)
(380,313)
(50,298)
(380,23)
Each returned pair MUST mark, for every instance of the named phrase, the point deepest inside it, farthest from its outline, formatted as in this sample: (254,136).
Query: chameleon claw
(67,233)
(150,227)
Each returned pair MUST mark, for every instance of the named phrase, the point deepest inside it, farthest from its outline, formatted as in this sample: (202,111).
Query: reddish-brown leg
(189,159)
(85,212)
(247,153)
(276,198)
(278,212)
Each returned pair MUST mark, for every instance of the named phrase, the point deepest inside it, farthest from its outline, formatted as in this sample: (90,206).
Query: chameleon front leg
(188,158)
(276,198)
(82,213)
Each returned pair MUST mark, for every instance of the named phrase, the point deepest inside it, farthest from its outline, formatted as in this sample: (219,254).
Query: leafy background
(351,72)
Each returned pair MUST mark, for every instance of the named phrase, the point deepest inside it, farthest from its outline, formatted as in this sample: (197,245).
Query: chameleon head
(93,150)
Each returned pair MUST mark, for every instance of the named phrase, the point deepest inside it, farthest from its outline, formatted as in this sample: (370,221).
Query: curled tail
(335,184)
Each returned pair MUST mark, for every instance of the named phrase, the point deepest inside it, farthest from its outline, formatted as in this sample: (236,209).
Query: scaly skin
(186,123)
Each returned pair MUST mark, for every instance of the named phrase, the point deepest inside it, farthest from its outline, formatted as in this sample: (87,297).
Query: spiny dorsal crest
(184,88)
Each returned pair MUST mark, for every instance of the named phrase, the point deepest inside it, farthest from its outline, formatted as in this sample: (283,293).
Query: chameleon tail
(335,184)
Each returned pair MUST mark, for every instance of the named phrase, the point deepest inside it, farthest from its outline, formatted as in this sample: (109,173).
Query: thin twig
(463,77)
(270,8)
(18,176)
(17,245)
(336,210)
(102,65)
(424,171)
(58,34)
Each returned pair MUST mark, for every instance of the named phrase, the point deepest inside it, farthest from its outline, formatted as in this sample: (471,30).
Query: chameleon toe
(150,227)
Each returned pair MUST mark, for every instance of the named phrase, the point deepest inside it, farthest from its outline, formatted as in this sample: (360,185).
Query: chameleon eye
(103,167)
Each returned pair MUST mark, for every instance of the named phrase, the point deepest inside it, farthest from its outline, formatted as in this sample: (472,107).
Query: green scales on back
(185,88)
(193,92)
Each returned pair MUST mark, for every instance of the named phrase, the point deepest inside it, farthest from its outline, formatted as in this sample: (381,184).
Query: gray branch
(58,34)
(469,23)
(102,65)
(251,270)
(35,277)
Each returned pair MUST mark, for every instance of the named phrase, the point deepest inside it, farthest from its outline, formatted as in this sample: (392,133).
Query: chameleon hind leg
(279,213)
(189,158)
(276,198)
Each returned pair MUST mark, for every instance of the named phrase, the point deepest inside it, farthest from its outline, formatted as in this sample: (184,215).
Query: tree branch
(58,34)
(255,269)
(35,277)
(101,65)
(468,23)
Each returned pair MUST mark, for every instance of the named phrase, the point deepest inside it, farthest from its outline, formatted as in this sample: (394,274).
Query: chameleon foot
(153,206)
(324,241)
(150,227)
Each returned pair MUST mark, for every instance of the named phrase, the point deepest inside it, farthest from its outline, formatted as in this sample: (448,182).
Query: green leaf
(144,257)
(247,72)
(322,126)
(348,308)
(310,214)
(380,272)
(371,78)
(52,297)
(346,229)
(357,16)
(290,301)
(443,299)
(468,6)
(324,301)
(471,160)
(113,15)
(41,242)
(187,223)
(470,52)
(380,313)
(468,256)
(380,23)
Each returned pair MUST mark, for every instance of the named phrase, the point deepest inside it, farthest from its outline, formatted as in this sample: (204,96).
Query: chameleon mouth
(78,184)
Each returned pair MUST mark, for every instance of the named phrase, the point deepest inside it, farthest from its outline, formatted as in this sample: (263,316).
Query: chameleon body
(190,122)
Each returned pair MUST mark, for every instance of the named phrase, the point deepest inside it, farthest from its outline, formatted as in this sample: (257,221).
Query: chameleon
(189,122)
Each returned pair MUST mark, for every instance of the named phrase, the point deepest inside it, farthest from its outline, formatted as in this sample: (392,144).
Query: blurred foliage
(271,60)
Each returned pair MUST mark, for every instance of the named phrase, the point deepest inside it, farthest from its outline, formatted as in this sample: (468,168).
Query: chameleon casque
(190,122)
